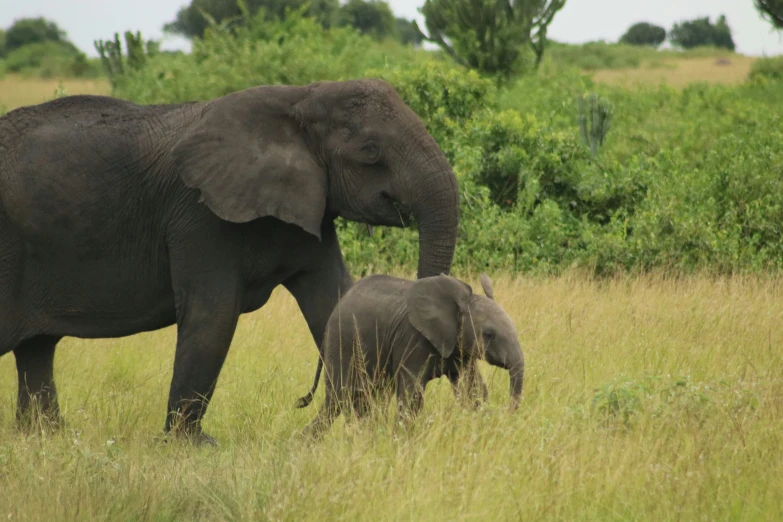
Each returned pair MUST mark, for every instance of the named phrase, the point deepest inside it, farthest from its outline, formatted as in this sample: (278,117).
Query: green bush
(295,51)
(444,96)
(600,55)
(49,59)
(767,68)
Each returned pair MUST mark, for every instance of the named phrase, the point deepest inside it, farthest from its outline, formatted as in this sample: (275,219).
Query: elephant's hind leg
(37,397)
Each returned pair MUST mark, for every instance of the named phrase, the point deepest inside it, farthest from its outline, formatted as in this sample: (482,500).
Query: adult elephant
(118,218)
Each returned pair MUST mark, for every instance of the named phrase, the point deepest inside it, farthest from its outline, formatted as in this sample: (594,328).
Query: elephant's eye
(489,335)
(371,152)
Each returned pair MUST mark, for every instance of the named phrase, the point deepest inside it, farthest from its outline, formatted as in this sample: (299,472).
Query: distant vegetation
(701,32)
(38,47)
(370,17)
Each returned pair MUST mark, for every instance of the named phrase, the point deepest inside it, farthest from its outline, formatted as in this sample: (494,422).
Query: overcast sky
(579,21)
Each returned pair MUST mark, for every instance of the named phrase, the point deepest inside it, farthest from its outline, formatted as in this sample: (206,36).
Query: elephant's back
(371,305)
(80,167)
(377,292)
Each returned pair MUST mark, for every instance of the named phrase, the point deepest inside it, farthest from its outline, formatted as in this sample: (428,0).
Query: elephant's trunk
(514,362)
(517,375)
(436,210)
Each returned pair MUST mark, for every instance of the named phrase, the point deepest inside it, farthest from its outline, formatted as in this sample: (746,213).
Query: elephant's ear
(248,157)
(435,307)
(486,284)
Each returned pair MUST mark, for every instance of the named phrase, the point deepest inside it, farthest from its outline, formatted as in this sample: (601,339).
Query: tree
(32,30)
(644,33)
(373,17)
(191,21)
(700,32)
(2,43)
(490,35)
(772,11)
(407,32)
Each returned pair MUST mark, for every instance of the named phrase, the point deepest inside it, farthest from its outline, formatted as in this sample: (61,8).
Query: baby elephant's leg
(468,381)
(410,396)
(325,418)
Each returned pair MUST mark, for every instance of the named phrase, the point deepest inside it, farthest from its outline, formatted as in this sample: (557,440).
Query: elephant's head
(448,313)
(303,154)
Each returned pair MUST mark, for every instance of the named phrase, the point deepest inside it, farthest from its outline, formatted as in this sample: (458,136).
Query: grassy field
(16,91)
(645,399)
(681,72)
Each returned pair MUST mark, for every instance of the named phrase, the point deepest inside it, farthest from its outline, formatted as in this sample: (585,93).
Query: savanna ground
(645,399)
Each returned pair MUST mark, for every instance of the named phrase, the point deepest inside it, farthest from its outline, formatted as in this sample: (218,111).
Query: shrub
(444,96)
(600,55)
(48,59)
(295,51)
(767,68)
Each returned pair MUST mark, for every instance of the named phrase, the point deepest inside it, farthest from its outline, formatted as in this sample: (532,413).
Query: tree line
(371,17)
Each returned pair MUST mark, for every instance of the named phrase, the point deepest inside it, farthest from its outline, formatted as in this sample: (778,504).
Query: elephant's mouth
(392,212)
(383,210)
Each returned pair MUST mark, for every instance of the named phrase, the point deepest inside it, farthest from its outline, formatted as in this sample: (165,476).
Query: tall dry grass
(17,91)
(681,72)
(645,399)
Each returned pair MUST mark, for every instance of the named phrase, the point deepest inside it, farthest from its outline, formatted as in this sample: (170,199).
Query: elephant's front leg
(410,395)
(37,391)
(208,302)
(205,328)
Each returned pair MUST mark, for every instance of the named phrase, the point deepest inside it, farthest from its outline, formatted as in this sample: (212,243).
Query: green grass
(645,399)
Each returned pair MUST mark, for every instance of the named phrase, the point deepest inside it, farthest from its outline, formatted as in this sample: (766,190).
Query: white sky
(579,21)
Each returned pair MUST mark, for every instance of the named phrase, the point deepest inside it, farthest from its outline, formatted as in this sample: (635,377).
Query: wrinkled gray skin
(117,218)
(408,333)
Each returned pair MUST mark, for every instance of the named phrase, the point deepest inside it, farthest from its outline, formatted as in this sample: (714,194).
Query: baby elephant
(391,332)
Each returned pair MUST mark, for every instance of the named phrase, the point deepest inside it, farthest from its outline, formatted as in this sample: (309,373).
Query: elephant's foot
(202,439)
(34,419)
(188,430)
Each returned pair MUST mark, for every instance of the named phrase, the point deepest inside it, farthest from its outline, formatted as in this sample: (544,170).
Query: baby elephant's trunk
(517,374)
(514,361)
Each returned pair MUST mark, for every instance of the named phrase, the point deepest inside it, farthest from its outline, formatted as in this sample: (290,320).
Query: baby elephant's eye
(489,335)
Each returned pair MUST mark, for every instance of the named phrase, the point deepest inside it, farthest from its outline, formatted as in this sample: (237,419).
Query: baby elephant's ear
(486,284)
(435,306)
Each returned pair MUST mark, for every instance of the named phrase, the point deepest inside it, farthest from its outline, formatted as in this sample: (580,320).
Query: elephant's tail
(302,402)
